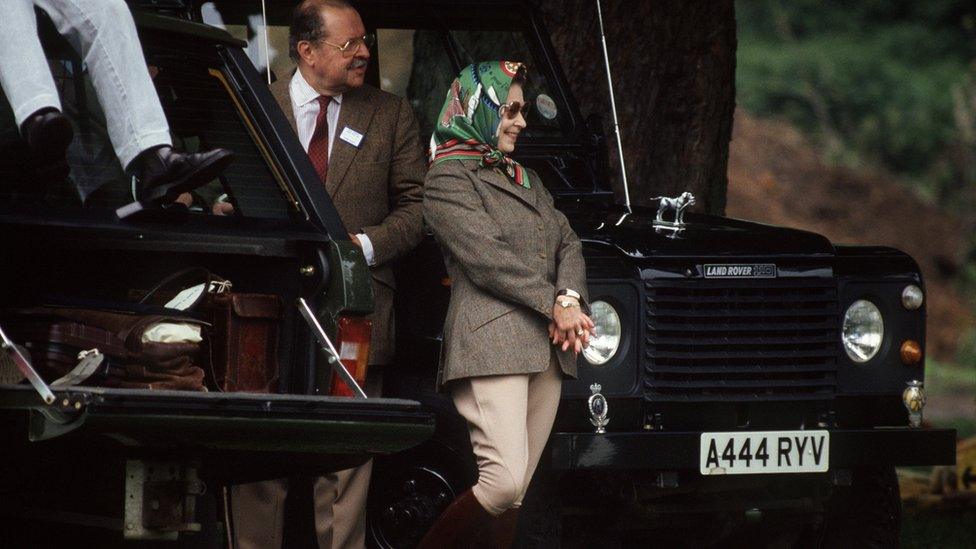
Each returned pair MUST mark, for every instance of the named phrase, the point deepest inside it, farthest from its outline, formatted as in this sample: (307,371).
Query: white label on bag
(185,298)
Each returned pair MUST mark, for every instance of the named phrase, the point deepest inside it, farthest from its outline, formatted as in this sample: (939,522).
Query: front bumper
(849,448)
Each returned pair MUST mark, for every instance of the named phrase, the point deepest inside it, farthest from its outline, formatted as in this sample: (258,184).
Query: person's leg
(24,74)
(545,389)
(340,504)
(495,408)
(104,35)
(340,498)
(29,87)
(542,400)
(258,514)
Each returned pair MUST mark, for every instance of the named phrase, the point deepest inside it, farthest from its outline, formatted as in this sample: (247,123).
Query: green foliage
(875,80)
(943,528)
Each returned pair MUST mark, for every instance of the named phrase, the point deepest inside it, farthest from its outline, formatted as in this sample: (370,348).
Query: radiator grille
(741,340)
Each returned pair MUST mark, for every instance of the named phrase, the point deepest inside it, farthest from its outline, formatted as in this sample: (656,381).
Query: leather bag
(244,341)
(55,335)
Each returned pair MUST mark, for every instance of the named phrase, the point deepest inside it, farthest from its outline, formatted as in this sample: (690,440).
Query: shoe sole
(199,177)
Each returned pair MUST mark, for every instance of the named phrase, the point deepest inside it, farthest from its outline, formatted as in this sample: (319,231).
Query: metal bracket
(26,368)
(326,344)
(160,499)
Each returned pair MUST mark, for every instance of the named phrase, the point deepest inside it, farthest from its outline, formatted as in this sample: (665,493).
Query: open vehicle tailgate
(236,436)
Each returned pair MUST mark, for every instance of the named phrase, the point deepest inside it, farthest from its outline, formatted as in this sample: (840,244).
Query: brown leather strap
(75,335)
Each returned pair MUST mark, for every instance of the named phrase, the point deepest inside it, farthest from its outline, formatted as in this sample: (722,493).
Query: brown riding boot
(501,532)
(458,525)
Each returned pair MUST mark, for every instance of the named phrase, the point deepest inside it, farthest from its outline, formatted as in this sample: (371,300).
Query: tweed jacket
(508,251)
(377,188)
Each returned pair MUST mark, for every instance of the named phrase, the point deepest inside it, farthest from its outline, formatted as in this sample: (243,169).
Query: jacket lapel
(501,181)
(356,114)
(279,89)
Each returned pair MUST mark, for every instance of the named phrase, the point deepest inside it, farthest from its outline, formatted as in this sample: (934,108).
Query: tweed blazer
(377,188)
(508,251)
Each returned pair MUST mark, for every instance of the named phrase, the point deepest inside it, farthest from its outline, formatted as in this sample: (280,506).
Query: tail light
(353,347)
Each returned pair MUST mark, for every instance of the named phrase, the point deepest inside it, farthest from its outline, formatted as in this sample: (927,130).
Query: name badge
(351,136)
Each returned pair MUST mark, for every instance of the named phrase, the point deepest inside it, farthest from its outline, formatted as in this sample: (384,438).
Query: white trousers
(104,35)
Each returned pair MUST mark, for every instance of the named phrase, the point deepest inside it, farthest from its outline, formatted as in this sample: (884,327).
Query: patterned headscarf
(468,124)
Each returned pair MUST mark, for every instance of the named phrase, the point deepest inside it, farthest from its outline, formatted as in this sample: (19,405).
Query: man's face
(328,70)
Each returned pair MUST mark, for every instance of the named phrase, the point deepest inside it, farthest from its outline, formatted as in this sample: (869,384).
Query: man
(104,35)
(365,146)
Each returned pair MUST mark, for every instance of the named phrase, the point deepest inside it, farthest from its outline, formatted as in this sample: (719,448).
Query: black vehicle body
(100,463)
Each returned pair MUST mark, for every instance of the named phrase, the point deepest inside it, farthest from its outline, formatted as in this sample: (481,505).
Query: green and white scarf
(468,124)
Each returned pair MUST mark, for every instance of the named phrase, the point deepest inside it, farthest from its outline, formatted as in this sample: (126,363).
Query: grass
(951,388)
(938,528)
(950,377)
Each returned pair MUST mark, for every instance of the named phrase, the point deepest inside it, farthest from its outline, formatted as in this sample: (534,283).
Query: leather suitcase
(244,342)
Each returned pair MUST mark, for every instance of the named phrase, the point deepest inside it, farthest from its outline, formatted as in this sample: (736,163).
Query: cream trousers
(509,420)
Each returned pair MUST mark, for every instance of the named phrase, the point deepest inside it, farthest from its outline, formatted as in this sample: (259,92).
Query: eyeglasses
(352,46)
(512,109)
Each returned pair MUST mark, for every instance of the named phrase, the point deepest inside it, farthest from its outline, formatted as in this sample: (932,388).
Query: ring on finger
(579,331)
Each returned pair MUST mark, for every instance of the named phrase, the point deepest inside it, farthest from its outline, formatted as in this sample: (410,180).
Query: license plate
(764,452)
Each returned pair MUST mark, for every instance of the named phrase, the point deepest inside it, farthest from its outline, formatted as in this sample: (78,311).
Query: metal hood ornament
(598,409)
(678,204)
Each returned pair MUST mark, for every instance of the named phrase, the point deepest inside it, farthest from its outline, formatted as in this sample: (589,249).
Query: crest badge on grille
(599,409)
(740,270)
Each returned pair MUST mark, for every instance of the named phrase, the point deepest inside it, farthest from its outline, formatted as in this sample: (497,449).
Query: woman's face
(509,128)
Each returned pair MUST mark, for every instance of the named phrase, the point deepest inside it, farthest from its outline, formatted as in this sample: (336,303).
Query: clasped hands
(570,328)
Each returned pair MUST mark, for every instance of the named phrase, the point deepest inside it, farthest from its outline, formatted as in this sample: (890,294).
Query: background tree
(674,76)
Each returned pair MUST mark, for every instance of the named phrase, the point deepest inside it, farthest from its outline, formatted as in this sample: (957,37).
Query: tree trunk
(673,66)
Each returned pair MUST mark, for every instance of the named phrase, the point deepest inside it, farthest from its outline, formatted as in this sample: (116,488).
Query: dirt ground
(777,176)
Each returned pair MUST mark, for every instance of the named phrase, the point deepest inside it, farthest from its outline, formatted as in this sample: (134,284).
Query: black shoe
(48,133)
(164,174)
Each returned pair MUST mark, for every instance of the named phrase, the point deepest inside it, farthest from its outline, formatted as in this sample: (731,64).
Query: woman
(517,275)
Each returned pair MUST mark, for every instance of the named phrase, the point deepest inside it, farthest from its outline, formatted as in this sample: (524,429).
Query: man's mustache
(358,63)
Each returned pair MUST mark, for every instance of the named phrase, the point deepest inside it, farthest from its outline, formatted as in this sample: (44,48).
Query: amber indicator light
(911,352)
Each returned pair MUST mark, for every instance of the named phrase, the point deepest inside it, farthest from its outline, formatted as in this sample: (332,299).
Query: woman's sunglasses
(511,110)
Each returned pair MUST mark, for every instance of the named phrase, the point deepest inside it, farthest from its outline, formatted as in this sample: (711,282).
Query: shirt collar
(303,93)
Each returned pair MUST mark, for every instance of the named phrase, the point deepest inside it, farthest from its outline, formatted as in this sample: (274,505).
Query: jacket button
(540,227)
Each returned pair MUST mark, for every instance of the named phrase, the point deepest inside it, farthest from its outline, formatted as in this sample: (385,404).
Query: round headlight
(603,346)
(912,297)
(863,330)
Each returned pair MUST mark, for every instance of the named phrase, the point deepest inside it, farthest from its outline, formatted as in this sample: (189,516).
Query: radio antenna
(613,106)
(267,50)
